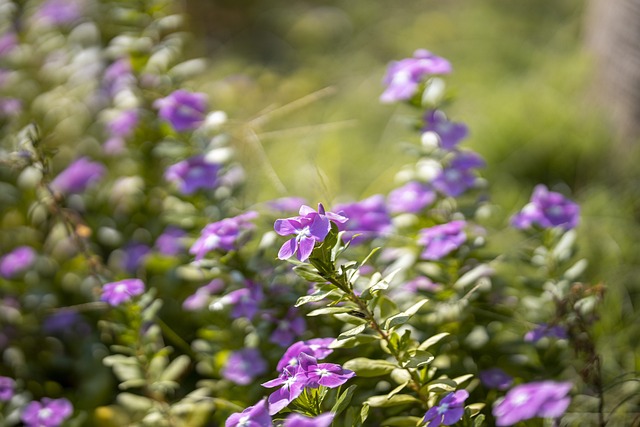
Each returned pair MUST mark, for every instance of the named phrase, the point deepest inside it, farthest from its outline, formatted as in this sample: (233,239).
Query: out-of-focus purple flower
(17,261)
(60,12)
(316,347)
(547,209)
(244,365)
(459,176)
(200,298)
(118,76)
(134,255)
(66,322)
(46,413)
(496,378)
(222,235)
(544,330)
(297,420)
(193,174)
(10,107)
(170,242)
(422,283)
(368,218)
(254,416)
(288,328)
(410,198)
(286,204)
(115,293)
(8,42)
(119,128)
(448,411)
(544,399)
(78,176)
(449,133)
(184,110)
(7,389)
(441,240)
(404,76)
(310,227)
(245,301)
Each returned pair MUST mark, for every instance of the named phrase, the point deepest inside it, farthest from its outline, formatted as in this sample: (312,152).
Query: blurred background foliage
(523,82)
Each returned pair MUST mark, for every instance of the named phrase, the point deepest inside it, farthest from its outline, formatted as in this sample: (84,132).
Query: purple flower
(200,298)
(310,227)
(449,133)
(171,241)
(545,399)
(123,124)
(78,176)
(118,76)
(547,209)
(60,12)
(253,416)
(134,255)
(182,109)
(222,235)
(422,283)
(66,322)
(17,261)
(115,293)
(288,328)
(245,301)
(369,218)
(404,76)
(7,388)
(8,42)
(297,420)
(292,382)
(10,107)
(544,330)
(411,198)
(193,174)
(459,176)
(46,413)
(244,365)
(496,378)
(317,374)
(316,347)
(448,411)
(441,240)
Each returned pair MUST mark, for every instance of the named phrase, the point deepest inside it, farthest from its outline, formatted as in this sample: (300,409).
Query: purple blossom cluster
(222,235)
(7,388)
(193,174)
(440,240)
(307,373)
(459,175)
(495,378)
(544,399)
(547,209)
(46,413)
(368,218)
(404,77)
(182,109)
(309,227)
(78,176)
(245,301)
(243,366)
(449,134)
(116,293)
(412,197)
(544,330)
(288,329)
(258,416)
(17,261)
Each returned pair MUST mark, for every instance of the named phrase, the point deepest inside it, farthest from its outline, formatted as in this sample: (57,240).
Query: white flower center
(322,372)
(44,413)
(520,398)
(444,407)
(244,421)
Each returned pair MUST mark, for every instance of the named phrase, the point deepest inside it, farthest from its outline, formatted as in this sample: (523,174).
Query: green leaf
(475,408)
(397,390)
(308,274)
(176,368)
(352,332)
(354,341)
(343,401)
(398,399)
(378,285)
(471,276)
(364,367)
(440,385)
(134,402)
(401,422)
(329,310)
(403,317)
(462,379)
(418,359)
(318,295)
(479,421)
(432,340)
